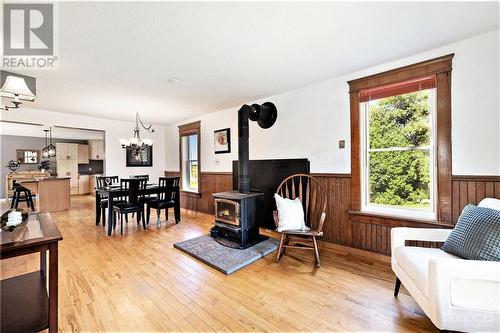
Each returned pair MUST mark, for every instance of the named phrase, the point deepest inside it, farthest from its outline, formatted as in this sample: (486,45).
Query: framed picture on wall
(144,159)
(222,141)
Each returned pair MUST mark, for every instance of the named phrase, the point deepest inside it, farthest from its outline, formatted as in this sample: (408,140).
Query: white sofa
(456,294)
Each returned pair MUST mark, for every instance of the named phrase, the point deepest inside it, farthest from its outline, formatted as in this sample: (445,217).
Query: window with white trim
(189,156)
(189,162)
(398,148)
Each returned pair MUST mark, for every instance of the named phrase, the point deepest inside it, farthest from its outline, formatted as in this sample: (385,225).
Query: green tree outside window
(399,150)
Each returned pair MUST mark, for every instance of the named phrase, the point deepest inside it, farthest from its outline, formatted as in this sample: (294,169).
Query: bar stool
(21,194)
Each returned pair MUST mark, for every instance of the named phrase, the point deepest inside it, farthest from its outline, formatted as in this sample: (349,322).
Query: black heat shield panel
(265,176)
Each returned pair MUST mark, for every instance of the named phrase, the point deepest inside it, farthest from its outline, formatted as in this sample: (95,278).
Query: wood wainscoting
(354,229)
(473,189)
(210,182)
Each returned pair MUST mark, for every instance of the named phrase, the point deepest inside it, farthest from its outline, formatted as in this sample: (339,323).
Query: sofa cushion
(476,235)
(415,262)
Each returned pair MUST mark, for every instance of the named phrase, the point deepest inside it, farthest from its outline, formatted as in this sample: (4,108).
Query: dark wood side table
(26,306)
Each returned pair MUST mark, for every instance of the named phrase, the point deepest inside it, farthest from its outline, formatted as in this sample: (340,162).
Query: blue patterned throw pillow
(476,235)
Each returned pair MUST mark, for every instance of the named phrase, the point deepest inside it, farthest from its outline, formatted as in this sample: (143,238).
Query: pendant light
(45,152)
(50,149)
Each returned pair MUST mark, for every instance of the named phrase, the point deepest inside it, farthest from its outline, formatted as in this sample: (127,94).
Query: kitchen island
(52,193)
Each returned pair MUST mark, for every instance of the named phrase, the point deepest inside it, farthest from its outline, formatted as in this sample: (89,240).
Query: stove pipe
(265,115)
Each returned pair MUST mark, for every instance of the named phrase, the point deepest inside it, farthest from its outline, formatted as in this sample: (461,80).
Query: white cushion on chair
(415,262)
(290,214)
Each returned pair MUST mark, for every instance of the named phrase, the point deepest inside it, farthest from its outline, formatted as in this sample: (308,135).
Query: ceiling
(35,130)
(116,58)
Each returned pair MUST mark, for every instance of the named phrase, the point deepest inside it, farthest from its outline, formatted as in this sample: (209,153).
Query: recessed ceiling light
(173,81)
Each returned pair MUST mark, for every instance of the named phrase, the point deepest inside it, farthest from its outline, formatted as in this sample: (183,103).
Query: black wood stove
(237,213)
(237,218)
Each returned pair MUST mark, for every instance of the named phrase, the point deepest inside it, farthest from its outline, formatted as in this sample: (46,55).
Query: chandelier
(49,150)
(135,144)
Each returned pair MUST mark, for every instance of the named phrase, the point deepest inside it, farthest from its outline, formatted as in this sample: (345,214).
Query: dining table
(113,191)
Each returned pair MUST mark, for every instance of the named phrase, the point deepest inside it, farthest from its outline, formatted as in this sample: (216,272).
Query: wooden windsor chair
(313,196)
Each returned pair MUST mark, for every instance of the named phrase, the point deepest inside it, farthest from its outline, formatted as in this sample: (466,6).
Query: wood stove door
(227,211)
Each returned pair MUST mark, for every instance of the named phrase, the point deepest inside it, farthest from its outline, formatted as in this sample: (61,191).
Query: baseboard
(342,249)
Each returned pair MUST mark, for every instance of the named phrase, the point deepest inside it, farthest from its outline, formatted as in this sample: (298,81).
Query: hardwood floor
(139,282)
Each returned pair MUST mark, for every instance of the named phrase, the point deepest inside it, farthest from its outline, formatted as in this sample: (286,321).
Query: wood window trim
(186,130)
(439,67)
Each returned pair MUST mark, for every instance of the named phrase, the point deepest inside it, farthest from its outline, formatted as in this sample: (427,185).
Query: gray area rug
(222,258)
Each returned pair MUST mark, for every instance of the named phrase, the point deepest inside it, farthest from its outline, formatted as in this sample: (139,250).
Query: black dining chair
(167,198)
(21,194)
(130,202)
(103,181)
(148,197)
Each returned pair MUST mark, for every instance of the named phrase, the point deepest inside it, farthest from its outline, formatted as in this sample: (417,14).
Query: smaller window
(189,138)
(190,162)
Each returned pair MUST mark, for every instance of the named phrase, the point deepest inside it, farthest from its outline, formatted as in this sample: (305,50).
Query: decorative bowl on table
(5,217)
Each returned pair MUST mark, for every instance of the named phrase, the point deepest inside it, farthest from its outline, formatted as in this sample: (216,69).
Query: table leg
(97,208)
(43,264)
(177,210)
(53,277)
(110,213)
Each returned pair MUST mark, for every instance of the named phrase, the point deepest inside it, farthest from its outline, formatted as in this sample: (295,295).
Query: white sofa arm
(401,234)
(464,292)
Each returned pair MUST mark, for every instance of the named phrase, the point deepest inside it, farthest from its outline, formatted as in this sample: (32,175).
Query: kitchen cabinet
(67,151)
(93,182)
(61,151)
(83,184)
(69,168)
(67,163)
(96,149)
(83,154)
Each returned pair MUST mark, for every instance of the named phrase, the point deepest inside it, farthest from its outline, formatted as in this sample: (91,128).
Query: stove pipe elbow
(265,115)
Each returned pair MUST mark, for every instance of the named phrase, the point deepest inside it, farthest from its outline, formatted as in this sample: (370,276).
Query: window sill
(429,222)
(191,194)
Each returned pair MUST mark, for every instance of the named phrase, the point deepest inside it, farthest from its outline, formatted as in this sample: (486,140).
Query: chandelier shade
(16,87)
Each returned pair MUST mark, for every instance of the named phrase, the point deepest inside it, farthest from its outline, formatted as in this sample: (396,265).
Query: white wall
(114,130)
(312,120)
